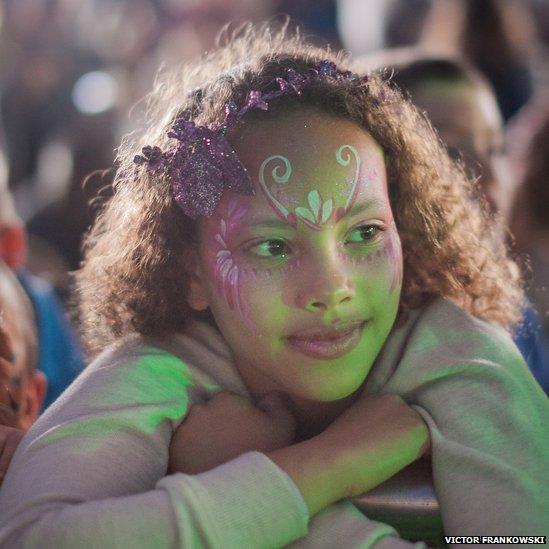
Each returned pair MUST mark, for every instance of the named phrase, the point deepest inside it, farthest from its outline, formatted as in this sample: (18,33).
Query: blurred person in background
(60,357)
(57,129)
(22,385)
(498,37)
(460,104)
(528,138)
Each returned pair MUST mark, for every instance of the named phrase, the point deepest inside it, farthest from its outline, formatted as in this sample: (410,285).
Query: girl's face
(304,277)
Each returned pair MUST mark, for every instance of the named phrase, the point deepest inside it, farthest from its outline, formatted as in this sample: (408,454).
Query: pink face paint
(229,272)
(394,255)
(228,275)
(390,254)
(270,289)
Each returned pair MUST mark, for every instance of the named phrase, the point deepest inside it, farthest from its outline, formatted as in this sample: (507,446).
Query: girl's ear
(197,297)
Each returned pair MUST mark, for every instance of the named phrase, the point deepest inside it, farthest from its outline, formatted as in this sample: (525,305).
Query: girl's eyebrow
(370,204)
(271,224)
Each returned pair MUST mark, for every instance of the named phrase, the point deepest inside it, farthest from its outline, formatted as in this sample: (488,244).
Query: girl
(295,235)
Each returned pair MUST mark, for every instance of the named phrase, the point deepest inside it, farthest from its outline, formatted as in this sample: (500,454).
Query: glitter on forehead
(202,164)
(276,172)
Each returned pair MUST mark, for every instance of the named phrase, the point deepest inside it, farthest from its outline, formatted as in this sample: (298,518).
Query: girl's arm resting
(343,525)
(313,472)
(367,444)
(243,503)
(92,472)
(323,467)
(487,419)
(371,441)
(246,502)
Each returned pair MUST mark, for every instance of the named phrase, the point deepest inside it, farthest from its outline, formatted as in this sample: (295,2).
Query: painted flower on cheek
(228,274)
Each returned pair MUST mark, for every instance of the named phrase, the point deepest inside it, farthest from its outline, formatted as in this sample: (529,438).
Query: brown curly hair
(137,254)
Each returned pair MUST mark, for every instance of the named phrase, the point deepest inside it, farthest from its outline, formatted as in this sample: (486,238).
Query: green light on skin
(304,267)
(316,211)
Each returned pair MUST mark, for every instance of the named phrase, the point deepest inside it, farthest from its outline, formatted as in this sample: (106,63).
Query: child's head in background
(462,106)
(351,189)
(22,386)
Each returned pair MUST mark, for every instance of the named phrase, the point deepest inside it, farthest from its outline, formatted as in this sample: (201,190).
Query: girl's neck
(313,416)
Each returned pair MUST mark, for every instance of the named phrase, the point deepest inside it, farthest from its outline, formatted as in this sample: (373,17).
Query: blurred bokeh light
(95,92)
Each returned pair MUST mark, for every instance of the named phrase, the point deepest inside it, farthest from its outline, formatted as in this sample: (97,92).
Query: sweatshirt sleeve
(487,419)
(92,472)
(343,525)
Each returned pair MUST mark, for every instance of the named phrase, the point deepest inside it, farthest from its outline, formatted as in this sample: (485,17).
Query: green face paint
(305,300)
(317,211)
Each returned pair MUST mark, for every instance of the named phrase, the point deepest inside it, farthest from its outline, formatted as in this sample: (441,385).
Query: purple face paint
(270,264)
(394,253)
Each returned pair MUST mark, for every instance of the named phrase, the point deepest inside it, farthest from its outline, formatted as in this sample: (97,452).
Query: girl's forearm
(314,470)
(374,439)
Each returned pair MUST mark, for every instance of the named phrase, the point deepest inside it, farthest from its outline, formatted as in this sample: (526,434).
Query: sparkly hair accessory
(203,164)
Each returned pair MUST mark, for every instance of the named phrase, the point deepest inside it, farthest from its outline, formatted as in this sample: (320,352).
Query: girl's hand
(227,426)
(375,438)
(9,440)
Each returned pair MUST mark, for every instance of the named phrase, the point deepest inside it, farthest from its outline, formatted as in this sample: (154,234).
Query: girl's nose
(325,291)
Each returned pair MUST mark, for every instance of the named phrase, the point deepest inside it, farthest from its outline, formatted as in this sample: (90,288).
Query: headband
(202,164)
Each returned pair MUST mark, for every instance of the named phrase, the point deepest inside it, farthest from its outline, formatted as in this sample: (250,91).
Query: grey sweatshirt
(92,471)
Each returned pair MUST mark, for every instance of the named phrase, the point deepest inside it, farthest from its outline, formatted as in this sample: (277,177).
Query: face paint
(270,270)
(394,254)
(318,211)
(227,272)
(389,255)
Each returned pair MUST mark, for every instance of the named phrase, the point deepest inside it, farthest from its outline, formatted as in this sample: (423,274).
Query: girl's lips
(328,345)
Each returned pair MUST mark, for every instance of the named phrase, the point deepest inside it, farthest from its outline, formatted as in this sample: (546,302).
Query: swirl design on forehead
(318,211)
(345,161)
(278,178)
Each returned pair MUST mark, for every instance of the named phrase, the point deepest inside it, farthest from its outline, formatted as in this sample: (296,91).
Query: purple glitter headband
(203,164)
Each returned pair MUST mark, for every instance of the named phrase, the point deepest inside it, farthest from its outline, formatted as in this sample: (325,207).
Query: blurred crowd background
(72,70)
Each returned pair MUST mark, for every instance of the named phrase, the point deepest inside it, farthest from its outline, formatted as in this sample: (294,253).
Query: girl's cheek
(244,292)
(394,258)
(382,267)
(227,275)
(231,281)
(250,293)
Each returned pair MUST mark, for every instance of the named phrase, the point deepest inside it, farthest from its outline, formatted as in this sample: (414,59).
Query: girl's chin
(327,381)
(322,391)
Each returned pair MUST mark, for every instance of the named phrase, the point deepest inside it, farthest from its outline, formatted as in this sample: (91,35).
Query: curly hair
(137,254)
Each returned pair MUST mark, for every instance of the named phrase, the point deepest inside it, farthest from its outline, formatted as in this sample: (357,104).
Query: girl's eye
(270,248)
(363,234)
